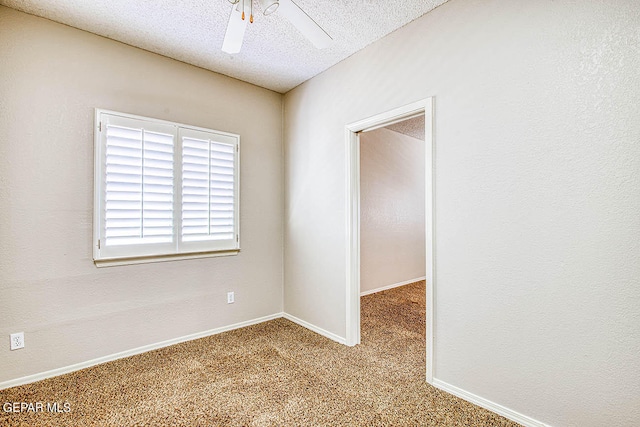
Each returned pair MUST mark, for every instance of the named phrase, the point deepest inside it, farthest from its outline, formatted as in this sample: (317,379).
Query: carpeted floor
(272,374)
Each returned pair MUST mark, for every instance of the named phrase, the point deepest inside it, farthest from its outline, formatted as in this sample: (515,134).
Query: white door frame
(353,217)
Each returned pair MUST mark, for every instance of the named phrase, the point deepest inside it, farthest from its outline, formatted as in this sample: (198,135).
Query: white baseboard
(315,329)
(395,285)
(82,365)
(487,404)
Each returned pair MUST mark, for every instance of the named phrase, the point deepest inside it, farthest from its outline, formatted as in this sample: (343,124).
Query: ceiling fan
(287,8)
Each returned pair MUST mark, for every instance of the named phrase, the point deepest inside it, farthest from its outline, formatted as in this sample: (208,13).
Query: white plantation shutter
(163,188)
(209,189)
(136,217)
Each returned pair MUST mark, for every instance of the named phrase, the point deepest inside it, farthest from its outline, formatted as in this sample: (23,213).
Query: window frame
(177,249)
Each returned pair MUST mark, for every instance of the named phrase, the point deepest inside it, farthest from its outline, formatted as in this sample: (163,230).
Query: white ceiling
(274,54)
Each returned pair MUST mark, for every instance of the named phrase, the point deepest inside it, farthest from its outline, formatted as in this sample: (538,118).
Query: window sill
(161,258)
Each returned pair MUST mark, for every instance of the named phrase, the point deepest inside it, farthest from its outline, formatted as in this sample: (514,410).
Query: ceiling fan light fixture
(269,6)
(237,25)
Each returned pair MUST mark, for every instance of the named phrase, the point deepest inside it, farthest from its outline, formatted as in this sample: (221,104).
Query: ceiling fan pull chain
(243,10)
(251,12)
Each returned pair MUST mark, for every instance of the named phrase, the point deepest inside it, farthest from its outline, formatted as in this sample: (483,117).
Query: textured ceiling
(274,54)
(413,127)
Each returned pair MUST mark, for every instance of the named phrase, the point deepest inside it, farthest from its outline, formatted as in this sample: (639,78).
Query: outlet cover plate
(17,340)
(230,298)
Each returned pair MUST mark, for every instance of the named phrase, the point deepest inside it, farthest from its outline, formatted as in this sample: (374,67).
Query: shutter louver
(157,213)
(221,196)
(139,187)
(208,211)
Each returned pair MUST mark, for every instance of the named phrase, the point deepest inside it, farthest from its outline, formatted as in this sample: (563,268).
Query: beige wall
(51,79)
(392,241)
(537,160)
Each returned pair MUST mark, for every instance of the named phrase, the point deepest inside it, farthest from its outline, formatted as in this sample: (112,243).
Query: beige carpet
(272,374)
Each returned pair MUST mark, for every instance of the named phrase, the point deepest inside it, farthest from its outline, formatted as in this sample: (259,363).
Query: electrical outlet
(17,340)
(230,298)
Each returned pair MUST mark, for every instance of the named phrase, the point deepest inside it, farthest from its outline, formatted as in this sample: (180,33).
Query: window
(163,190)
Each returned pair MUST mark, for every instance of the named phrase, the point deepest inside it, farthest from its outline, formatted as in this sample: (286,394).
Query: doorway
(392,245)
(353,131)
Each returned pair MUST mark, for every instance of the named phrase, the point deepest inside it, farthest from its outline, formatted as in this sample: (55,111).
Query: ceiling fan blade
(305,24)
(235,31)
